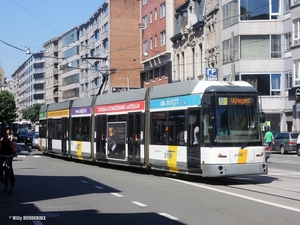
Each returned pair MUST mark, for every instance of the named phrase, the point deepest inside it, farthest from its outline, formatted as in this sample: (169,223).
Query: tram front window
(236,121)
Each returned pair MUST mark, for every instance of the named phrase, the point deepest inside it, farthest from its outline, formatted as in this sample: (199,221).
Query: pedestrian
(269,138)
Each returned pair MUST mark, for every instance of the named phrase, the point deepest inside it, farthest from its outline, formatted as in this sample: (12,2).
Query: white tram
(206,128)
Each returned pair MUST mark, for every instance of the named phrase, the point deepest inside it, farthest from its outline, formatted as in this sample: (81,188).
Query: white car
(35,141)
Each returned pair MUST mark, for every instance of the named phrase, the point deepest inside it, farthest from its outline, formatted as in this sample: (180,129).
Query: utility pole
(104,75)
(232,57)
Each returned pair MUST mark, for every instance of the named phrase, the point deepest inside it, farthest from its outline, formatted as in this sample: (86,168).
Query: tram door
(63,135)
(51,127)
(100,136)
(134,137)
(194,134)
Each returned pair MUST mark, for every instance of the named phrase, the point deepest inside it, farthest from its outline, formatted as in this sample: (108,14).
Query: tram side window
(176,127)
(80,129)
(158,128)
(55,128)
(167,128)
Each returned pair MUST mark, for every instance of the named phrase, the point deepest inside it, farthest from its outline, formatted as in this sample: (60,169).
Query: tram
(205,128)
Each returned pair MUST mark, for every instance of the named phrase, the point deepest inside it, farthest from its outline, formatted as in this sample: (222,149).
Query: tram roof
(197,86)
(82,102)
(126,96)
(59,105)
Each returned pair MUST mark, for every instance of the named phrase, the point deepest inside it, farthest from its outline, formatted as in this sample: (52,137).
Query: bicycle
(6,181)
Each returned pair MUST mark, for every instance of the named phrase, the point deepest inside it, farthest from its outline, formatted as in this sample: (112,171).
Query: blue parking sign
(211,74)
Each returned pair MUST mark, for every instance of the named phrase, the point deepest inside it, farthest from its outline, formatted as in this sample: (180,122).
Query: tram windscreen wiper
(250,136)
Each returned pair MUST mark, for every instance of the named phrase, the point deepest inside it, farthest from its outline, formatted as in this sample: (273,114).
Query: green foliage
(32,113)
(8,112)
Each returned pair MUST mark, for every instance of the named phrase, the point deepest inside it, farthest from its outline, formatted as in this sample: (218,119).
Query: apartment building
(27,83)
(240,40)
(53,61)
(293,38)
(157,26)
(102,53)
(189,43)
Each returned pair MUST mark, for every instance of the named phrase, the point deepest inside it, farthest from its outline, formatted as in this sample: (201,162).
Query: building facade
(157,27)
(102,53)
(294,70)
(234,46)
(27,83)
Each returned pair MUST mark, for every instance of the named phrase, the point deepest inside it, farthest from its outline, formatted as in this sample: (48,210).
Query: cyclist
(7,149)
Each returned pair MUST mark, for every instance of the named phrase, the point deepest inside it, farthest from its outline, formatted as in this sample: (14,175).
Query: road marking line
(168,216)
(99,187)
(117,195)
(139,204)
(36,156)
(83,181)
(21,156)
(238,195)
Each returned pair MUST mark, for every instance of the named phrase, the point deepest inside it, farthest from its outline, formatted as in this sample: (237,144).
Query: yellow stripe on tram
(172,159)
(242,157)
(79,149)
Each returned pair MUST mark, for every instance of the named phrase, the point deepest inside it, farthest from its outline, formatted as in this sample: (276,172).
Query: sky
(30,23)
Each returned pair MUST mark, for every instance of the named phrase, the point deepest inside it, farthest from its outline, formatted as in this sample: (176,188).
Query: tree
(8,112)
(32,113)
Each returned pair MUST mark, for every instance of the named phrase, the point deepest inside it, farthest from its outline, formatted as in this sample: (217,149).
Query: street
(57,191)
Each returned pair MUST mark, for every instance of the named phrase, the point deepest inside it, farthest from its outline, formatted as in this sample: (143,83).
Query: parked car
(35,141)
(28,138)
(285,142)
(22,135)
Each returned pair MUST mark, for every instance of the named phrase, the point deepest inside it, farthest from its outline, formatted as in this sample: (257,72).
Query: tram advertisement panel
(116,140)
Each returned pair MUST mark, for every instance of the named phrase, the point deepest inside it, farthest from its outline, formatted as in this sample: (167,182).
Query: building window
(275,84)
(287,42)
(147,77)
(155,40)
(105,44)
(163,38)
(162,10)
(266,84)
(145,2)
(226,51)
(260,10)
(155,14)
(150,17)
(296,32)
(105,27)
(260,46)
(297,72)
(145,21)
(230,13)
(228,56)
(145,44)
(287,5)
(288,80)
(296,2)
(275,46)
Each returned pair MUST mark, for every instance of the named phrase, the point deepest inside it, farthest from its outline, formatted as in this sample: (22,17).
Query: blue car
(29,136)
(22,135)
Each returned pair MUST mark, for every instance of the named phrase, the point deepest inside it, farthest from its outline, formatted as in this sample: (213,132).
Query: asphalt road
(56,191)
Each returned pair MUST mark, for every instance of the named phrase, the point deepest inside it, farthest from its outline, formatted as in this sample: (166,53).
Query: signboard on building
(211,74)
